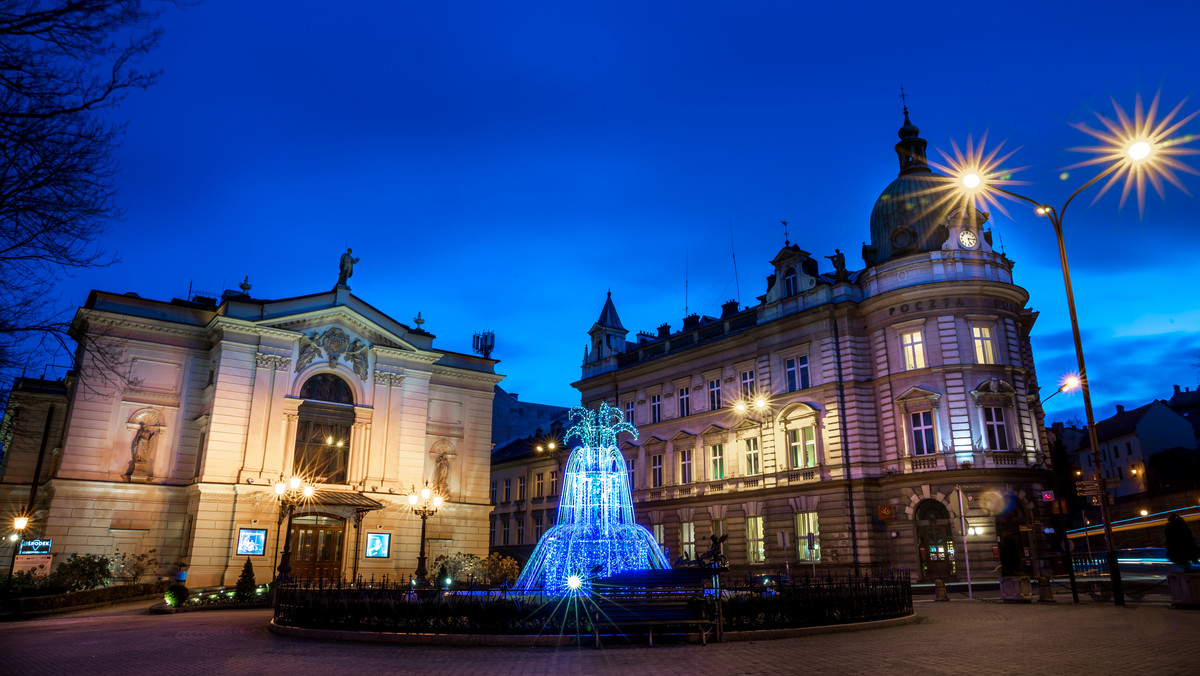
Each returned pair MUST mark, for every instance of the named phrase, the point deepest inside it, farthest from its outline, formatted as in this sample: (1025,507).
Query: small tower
(608,339)
(911,149)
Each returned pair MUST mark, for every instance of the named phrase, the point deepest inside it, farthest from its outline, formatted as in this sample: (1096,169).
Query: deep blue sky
(501,165)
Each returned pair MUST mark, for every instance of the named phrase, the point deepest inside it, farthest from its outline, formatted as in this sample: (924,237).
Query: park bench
(654,598)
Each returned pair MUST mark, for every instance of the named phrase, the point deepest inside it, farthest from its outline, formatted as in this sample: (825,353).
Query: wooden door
(317,543)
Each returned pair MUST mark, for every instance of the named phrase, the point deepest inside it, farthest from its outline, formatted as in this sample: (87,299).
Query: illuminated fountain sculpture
(595,535)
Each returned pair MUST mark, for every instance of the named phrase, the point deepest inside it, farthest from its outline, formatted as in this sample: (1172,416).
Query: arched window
(789,283)
(323,433)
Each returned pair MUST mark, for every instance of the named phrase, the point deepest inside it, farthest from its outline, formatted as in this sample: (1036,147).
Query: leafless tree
(63,65)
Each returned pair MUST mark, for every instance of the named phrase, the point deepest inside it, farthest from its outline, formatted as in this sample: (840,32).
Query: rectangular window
(985,350)
(655,408)
(492,499)
(797,373)
(752,457)
(808,537)
(521,531)
(1129,448)
(747,384)
(492,532)
(504,540)
(660,534)
(717,453)
(997,434)
(656,471)
(632,475)
(554,483)
(714,394)
(720,527)
(538,485)
(520,488)
(537,526)
(756,550)
(507,491)
(803,444)
(913,348)
(685,466)
(687,539)
(685,403)
(629,412)
(922,433)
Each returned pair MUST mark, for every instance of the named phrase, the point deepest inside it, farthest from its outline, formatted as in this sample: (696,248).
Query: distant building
(1128,439)
(888,394)
(186,413)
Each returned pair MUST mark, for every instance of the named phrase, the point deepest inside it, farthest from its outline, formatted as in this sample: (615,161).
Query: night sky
(502,165)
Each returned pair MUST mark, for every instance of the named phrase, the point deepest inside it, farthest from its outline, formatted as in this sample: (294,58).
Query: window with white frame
(789,283)
(720,527)
(716,453)
(687,539)
(747,384)
(803,444)
(655,408)
(492,532)
(492,494)
(912,346)
(537,526)
(507,492)
(629,412)
(554,482)
(796,370)
(539,484)
(504,531)
(985,347)
(714,394)
(520,488)
(993,425)
(632,476)
(756,547)
(520,530)
(753,464)
(685,403)
(660,534)
(685,466)
(923,440)
(808,537)
(656,470)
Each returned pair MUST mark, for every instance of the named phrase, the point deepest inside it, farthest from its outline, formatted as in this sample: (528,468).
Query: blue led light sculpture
(595,535)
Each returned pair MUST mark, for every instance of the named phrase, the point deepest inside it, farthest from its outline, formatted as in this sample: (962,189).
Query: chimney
(664,330)
(691,321)
(1120,408)
(729,308)
(513,395)
(1176,389)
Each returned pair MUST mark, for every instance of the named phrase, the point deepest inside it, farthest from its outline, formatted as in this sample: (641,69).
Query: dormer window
(789,283)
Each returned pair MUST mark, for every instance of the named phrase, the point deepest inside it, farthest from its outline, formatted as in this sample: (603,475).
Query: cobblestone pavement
(960,637)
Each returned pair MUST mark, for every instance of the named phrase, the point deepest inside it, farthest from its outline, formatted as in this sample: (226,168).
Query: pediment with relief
(918,398)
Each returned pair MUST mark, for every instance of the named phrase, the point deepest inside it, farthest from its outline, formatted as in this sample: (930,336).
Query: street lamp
(20,523)
(1138,151)
(290,493)
(424,504)
(1069,384)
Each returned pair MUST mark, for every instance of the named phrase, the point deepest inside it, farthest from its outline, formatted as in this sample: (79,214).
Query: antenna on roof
(484,343)
(736,282)
(785,233)
(685,281)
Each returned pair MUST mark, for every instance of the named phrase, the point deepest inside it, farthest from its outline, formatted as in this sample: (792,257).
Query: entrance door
(317,546)
(935,542)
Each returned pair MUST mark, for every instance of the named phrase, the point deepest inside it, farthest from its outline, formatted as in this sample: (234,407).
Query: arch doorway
(935,542)
(317,543)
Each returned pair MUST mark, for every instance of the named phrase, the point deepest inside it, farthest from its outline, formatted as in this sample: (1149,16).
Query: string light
(596,534)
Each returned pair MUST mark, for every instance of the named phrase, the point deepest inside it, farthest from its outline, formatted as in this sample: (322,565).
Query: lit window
(747,384)
(687,539)
(803,444)
(720,527)
(922,433)
(752,457)
(913,348)
(808,537)
(656,471)
(997,434)
(685,466)
(685,403)
(717,454)
(714,394)
(655,408)
(660,534)
(756,550)
(985,350)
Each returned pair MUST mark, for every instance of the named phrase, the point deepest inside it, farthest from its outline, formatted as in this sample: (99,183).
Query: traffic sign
(1087,487)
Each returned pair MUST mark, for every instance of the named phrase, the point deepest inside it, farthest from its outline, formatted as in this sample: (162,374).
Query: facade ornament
(356,354)
(335,342)
(346,268)
(273,361)
(140,446)
(245,286)
(839,265)
(309,350)
(442,453)
(388,378)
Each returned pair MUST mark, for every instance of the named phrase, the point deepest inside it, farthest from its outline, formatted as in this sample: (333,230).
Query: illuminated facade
(177,447)
(884,392)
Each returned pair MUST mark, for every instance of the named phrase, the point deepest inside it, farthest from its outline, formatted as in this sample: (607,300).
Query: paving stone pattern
(959,637)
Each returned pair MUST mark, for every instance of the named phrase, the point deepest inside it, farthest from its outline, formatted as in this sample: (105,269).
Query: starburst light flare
(1139,150)
(596,535)
(976,175)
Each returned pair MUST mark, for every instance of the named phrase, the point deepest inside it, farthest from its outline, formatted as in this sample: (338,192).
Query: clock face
(968,239)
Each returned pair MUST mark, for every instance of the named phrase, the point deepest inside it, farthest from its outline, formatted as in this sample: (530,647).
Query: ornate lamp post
(290,493)
(424,503)
(1140,150)
(20,523)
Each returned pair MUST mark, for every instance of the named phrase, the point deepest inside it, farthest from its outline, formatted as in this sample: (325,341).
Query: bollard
(1045,591)
(939,591)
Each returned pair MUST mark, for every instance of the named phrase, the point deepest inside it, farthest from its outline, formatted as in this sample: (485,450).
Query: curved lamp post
(425,504)
(1138,151)
(290,493)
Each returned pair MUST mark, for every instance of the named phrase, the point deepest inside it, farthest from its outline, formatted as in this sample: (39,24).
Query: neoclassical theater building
(842,418)
(182,415)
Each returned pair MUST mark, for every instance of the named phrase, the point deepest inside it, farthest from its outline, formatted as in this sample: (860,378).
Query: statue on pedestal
(346,267)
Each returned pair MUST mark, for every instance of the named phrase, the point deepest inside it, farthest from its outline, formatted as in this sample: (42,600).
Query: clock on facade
(968,239)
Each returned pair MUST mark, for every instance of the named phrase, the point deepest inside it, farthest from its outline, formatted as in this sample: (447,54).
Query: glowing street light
(1138,150)
(289,493)
(20,523)
(1070,383)
(424,503)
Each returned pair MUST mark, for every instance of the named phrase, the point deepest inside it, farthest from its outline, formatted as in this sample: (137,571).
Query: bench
(653,598)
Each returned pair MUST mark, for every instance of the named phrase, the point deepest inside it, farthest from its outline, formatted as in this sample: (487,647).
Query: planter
(1016,589)
(1185,589)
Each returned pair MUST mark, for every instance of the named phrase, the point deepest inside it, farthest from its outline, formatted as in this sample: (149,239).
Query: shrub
(499,569)
(177,594)
(456,567)
(1181,545)
(244,591)
(131,568)
(82,572)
